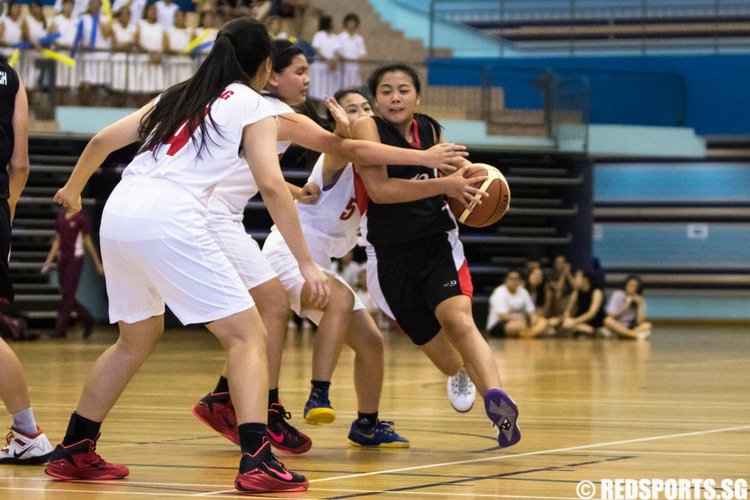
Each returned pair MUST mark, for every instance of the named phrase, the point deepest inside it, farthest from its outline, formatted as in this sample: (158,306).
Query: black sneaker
(261,472)
(282,435)
(216,411)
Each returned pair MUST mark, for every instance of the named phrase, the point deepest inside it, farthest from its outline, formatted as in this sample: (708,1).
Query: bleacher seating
(709,256)
(604,24)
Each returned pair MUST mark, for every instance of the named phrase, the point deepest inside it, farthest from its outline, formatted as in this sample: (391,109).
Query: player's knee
(342,298)
(458,323)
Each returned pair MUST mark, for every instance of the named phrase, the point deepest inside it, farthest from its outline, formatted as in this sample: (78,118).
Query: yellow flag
(59,57)
(197,41)
(107,8)
(14,57)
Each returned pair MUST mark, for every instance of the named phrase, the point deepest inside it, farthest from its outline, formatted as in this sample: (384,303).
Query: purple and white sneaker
(503,412)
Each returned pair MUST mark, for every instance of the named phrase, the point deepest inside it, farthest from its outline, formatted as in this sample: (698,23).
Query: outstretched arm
(121,133)
(383,189)
(303,131)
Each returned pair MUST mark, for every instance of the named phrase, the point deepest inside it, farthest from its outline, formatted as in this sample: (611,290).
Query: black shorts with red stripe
(415,278)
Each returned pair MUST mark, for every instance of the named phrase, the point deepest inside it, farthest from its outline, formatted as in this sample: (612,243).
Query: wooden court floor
(675,407)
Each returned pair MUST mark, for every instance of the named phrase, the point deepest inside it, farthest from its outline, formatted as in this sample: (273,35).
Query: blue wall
(718,246)
(690,182)
(716,98)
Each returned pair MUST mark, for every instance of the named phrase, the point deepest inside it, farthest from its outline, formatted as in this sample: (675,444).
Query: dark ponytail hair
(241,47)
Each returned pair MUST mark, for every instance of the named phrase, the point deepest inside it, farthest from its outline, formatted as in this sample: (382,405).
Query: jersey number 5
(349,210)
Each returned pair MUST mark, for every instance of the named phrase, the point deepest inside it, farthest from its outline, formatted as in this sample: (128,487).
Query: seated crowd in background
(147,46)
(535,302)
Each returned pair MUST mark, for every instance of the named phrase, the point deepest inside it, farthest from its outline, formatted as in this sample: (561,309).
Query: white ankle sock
(24,421)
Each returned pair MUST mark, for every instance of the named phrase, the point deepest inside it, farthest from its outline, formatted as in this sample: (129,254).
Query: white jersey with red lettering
(231,196)
(330,229)
(330,225)
(176,164)
(154,241)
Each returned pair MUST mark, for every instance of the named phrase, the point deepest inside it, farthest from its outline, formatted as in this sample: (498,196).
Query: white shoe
(461,391)
(21,448)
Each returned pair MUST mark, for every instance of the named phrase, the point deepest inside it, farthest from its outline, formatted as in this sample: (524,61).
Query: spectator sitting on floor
(585,311)
(541,293)
(512,312)
(627,311)
(561,283)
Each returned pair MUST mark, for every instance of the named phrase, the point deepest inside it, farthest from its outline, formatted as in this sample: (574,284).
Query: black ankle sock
(273,396)
(365,420)
(321,386)
(251,436)
(80,428)
(222,386)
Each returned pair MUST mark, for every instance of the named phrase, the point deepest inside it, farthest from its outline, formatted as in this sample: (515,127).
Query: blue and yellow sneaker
(318,409)
(379,435)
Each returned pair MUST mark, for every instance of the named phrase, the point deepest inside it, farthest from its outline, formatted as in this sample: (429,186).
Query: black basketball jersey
(8,89)
(399,223)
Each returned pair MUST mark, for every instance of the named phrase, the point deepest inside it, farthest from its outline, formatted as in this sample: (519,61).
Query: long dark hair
(284,53)
(241,47)
(637,279)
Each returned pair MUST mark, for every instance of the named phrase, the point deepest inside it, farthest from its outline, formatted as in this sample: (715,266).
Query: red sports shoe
(282,435)
(80,461)
(263,473)
(217,411)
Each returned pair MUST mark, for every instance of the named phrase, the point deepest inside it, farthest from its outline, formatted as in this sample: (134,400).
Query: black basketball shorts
(415,278)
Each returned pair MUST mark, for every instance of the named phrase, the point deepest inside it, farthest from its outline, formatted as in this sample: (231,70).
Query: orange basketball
(492,207)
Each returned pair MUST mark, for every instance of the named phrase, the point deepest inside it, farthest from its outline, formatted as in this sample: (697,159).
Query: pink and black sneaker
(217,411)
(261,472)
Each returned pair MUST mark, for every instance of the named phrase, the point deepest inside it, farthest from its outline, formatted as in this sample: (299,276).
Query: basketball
(492,207)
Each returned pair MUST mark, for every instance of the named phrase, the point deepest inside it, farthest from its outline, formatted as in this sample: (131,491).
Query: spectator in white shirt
(512,312)
(627,311)
(79,7)
(351,49)
(324,71)
(165,10)
(136,9)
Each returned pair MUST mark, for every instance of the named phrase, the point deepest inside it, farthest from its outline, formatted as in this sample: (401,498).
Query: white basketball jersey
(330,226)
(232,194)
(177,161)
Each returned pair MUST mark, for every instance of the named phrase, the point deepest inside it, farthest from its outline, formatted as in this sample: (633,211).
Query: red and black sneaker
(80,461)
(217,411)
(282,435)
(261,472)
